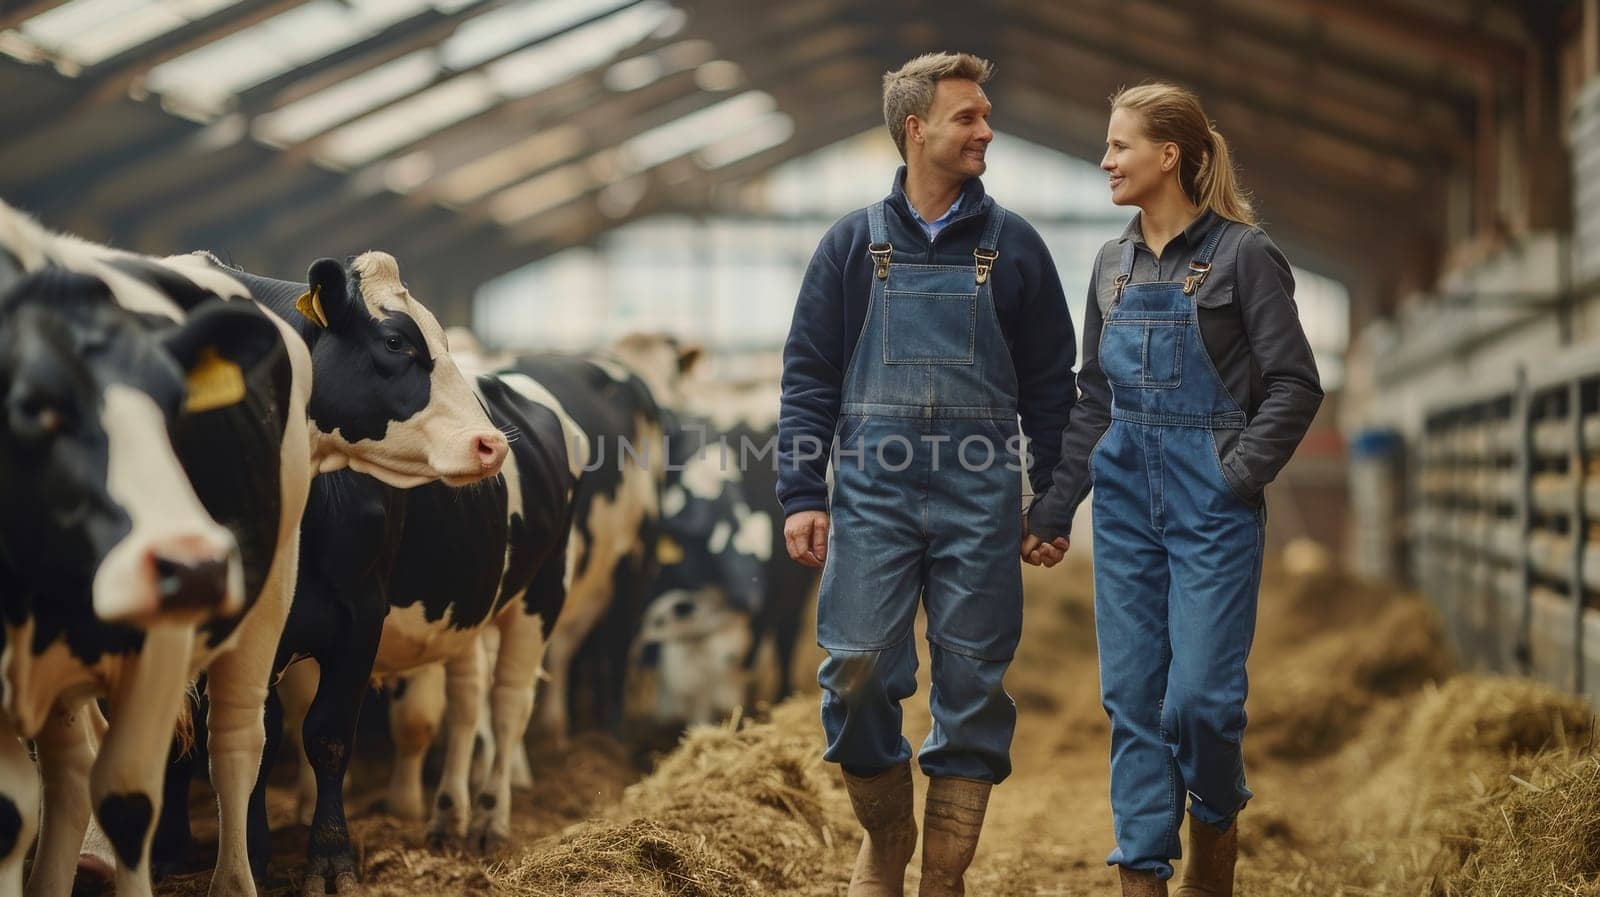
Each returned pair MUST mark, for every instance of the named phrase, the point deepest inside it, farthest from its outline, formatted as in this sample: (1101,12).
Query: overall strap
(878,232)
(987,250)
(1124,268)
(1201,265)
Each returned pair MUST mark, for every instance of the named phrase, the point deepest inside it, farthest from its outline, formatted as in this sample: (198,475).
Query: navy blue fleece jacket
(832,308)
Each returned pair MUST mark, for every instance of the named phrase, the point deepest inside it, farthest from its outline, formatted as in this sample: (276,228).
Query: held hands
(1039,553)
(806,535)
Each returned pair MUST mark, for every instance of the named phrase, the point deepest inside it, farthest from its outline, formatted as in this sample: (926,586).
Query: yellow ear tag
(214,382)
(668,551)
(310,305)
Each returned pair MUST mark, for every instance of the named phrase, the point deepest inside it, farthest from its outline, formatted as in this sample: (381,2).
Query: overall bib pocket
(928,328)
(1143,353)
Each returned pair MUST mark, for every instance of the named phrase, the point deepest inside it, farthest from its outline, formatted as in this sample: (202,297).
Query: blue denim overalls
(1177,566)
(926,507)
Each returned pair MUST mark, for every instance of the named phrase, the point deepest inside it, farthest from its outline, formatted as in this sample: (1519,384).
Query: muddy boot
(883,807)
(1141,884)
(950,823)
(1208,871)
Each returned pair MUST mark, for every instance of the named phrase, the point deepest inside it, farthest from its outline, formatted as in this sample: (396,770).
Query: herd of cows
(210,479)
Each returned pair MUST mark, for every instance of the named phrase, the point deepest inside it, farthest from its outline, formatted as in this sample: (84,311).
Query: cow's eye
(395,343)
(38,417)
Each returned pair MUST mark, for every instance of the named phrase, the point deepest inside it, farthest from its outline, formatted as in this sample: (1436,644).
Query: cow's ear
(688,358)
(326,301)
(216,346)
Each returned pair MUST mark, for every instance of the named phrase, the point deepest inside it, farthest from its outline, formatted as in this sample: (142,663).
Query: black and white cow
(388,401)
(97,514)
(393,580)
(239,450)
(611,551)
(692,631)
(409,419)
(712,580)
(791,588)
(616,522)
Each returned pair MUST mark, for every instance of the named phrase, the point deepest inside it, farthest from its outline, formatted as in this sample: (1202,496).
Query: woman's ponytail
(1206,173)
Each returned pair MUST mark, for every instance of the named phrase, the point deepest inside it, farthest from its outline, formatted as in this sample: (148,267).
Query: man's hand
(806,535)
(1040,553)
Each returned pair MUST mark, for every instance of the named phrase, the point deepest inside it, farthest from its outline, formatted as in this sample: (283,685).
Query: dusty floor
(1338,754)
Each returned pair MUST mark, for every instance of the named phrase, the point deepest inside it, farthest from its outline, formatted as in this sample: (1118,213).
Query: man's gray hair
(908,90)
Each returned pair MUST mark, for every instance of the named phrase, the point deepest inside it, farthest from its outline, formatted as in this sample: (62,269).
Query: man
(925,324)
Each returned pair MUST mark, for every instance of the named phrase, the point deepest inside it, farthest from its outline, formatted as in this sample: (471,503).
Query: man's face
(955,135)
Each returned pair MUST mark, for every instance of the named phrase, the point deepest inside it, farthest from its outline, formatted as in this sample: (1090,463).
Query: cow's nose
(491,450)
(650,655)
(186,583)
(683,609)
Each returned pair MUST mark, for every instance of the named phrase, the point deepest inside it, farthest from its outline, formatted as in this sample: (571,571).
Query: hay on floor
(735,810)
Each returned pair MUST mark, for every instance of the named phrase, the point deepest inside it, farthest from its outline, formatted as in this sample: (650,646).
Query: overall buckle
(880,253)
(1122,281)
(1197,276)
(985,262)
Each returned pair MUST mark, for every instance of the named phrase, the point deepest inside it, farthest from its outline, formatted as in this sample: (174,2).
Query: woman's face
(1136,165)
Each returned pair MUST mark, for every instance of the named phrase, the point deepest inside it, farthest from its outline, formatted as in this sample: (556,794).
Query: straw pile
(1465,789)
(1325,681)
(736,810)
(1538,834)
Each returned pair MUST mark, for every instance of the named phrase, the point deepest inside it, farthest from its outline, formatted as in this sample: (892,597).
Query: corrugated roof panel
(695,130)
(346,100)
(502,31)
(557,59)
(507,165)
(764,133)
(208,78)
(87,32)
(368,138)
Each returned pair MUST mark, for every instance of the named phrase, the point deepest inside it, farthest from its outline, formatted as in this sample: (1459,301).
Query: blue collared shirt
(932,228)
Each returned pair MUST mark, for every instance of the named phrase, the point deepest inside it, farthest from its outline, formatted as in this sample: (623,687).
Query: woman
(1197,385)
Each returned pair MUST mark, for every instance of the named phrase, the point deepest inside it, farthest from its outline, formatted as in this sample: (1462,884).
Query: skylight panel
(316,113)
(208,77)
(696,129)
(557,59)
(410,120)
(88,32)
(772,129)
(504,30)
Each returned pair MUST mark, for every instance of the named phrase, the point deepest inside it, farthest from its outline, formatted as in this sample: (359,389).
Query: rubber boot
(1141,884)
(883,807)
(950,826)
(1208,871)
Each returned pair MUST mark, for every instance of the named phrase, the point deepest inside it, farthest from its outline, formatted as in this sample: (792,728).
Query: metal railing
(1506,496)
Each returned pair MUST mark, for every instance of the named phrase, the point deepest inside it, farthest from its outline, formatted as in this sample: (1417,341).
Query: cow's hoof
(487,840)
(338,866)
(95,876)
(224,884)
(316,885)
(442,837)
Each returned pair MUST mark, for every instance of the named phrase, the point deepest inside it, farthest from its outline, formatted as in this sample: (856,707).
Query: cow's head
(92,496)
(385,391)
(661,361)
(696,646)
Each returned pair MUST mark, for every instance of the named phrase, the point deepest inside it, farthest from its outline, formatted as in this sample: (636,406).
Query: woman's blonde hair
(1172,114)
